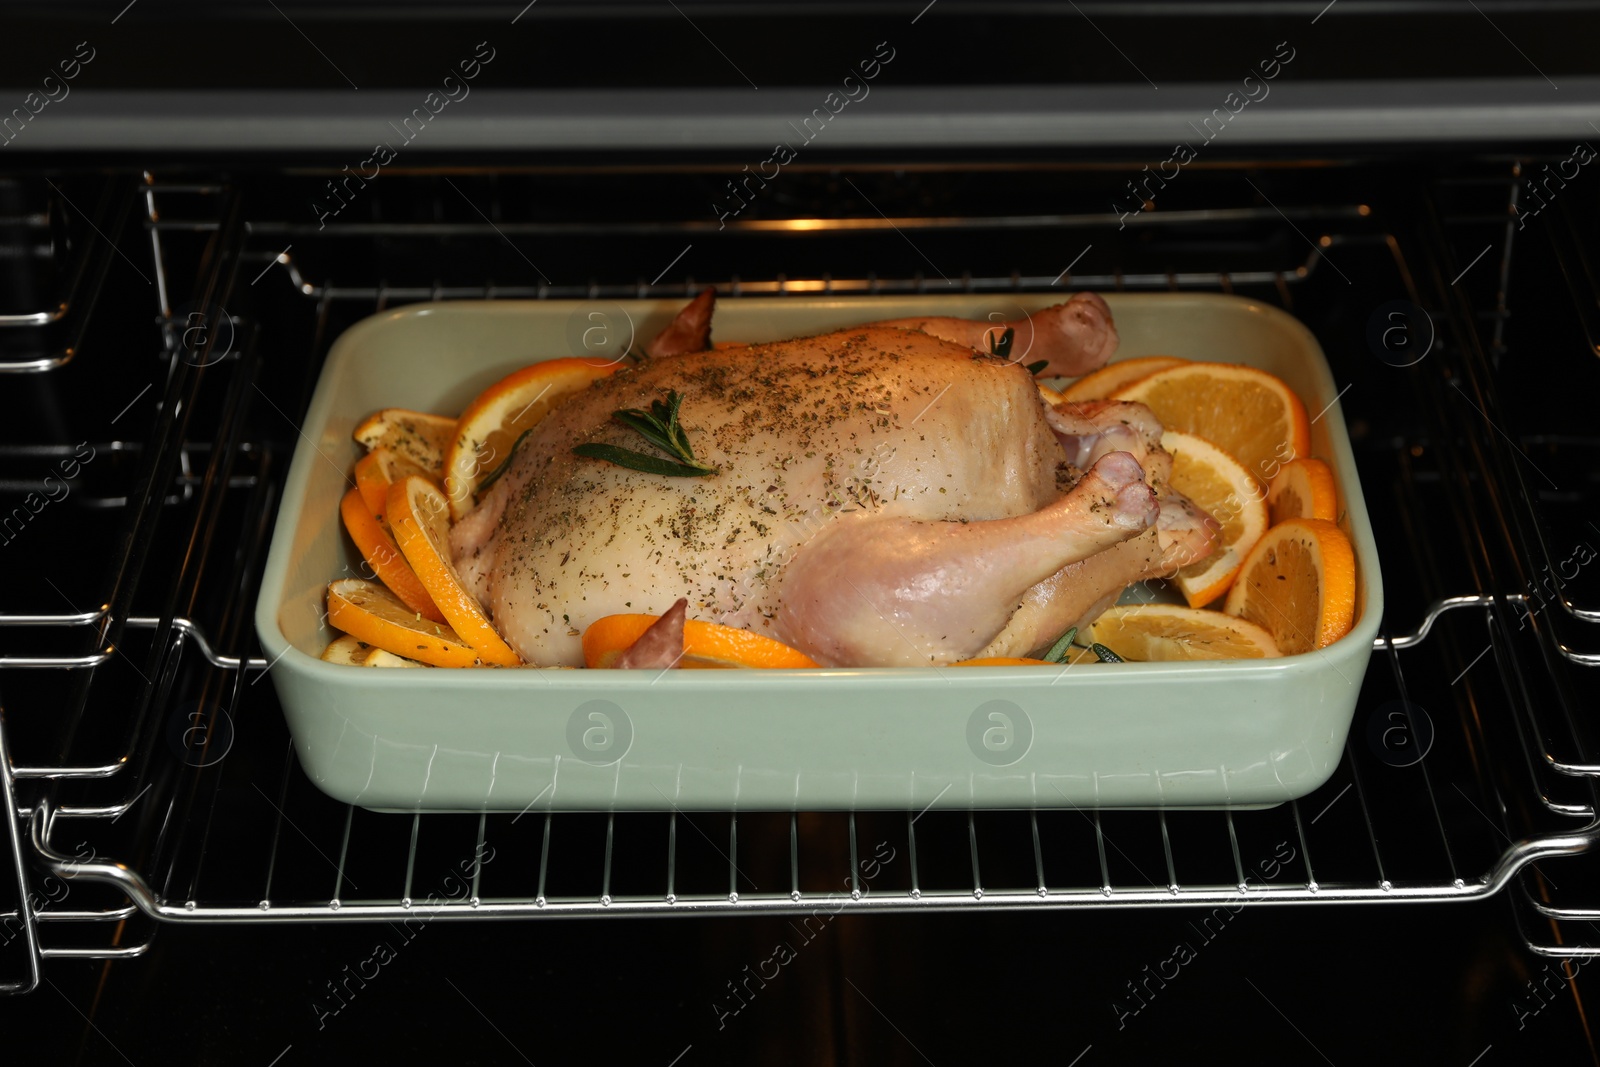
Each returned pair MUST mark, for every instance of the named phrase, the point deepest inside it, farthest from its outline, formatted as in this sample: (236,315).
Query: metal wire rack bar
(50,221)
(192,632)
(781,286)
(188,628)
(23,916)
(1511,500)
(87,279)
(338,908)
(800,227)
(1514,859)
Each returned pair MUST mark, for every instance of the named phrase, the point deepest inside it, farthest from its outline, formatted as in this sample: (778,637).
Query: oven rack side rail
(82,262)
(1448,884)
(1518,856)
(1517,859)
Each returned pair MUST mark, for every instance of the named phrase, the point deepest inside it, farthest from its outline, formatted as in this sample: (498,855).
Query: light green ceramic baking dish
(1245,733)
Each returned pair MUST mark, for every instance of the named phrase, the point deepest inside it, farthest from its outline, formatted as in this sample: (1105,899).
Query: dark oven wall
(185,240)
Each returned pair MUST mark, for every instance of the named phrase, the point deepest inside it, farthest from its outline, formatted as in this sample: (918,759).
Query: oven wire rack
(1523,769)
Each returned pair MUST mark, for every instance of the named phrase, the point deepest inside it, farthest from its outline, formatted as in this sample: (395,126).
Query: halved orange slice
(376,471)
(416,435)
(1113,376)
(492,423)
(383,556)
(1150,633)
(1298,584)
(1249,414)
(1303,489)
(706,644)
(369,612)
(418,515)
(1224,490)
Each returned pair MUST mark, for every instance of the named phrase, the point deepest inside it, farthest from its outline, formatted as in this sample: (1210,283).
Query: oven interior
(161,331)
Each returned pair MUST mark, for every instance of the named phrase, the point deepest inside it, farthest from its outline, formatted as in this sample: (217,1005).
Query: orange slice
(1150,633)
(369,612)
(349,652)
(1249,414)
(1224,490)
(416,435)
(1049,395)
(490,426)
(1298,584)
(418,515)
(376,471)
(1113,376)
(1303,489)
(383,556)
(706,644)
(1074,655)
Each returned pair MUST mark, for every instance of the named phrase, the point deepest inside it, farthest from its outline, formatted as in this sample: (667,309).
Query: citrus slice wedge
(1303,489)
(1249,414)
(381,553)
(349,652)
(378,657)
(416,435)
(1224,490)
(418,516)
(1074,655)
(1159,633)
(488,430)
(369,612)
(1298,584)
(376,471)
(1049,395)
(1113,376)
(707,645)
(346,651)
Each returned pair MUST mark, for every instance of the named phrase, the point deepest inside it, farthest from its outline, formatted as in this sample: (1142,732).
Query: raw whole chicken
(886,495)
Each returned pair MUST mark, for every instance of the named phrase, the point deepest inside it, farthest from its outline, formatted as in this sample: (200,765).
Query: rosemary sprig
(1001,347)
(1058,651)
(639,461)
(659,426)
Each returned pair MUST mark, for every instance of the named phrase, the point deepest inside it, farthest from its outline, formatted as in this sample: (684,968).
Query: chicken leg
(1073,338)
(689,330)
(1089,430)
(1078,593)
(906,592)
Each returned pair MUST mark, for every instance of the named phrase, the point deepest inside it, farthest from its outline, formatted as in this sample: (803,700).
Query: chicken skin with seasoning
(885,495)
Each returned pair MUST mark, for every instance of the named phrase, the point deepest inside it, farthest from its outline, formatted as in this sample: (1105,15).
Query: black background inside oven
(1387,984)
(588,45)
(1357,985)
(1404,984)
